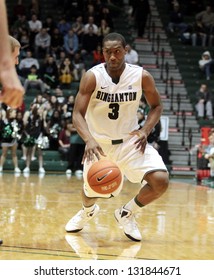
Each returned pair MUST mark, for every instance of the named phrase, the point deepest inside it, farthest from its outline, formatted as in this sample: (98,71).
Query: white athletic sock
(132,205)
(88,209)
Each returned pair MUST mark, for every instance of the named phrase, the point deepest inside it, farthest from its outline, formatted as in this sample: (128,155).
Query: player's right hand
(92,148)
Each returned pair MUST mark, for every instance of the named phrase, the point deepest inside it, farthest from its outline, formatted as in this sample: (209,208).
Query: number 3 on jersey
(114,111)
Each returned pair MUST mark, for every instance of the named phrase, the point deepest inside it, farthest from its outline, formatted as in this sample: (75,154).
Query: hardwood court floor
(34,211)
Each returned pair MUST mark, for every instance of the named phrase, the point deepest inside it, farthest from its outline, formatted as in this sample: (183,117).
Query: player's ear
(126,48)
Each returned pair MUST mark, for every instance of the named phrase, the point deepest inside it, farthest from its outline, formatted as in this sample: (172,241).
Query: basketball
(104,176)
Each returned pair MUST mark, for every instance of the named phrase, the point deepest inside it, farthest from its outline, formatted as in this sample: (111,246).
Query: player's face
(114,54)
(15,55)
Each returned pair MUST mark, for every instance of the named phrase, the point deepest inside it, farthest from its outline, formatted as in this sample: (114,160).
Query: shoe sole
(75,230)
(127,235)
(132,238)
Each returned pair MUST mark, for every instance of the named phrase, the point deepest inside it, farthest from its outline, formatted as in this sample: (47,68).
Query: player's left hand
(141,140)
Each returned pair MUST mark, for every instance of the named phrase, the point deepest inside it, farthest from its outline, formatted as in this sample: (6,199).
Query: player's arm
(154,101)
(12,93)
(87,86)
(5,50)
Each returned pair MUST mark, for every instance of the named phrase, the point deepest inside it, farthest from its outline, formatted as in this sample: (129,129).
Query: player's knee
(159,181)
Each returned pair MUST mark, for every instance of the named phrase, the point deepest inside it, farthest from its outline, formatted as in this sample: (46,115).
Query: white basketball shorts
(133,164)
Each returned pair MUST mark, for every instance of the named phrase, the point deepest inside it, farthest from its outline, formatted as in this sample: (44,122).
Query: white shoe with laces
(126,219)
(81,219)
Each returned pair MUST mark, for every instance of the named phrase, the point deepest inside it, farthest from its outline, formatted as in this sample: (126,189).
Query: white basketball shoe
(126,219)
(81,219)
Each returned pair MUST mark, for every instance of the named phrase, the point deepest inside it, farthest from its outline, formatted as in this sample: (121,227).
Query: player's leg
(88,211)
(150,170)
(157,183)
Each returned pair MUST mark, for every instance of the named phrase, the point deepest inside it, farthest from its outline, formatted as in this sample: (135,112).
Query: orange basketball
(104,176)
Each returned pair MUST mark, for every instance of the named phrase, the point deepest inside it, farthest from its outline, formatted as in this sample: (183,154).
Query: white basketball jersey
(112,110)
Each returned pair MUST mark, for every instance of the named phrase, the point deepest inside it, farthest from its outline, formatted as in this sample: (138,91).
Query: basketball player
(105,116)
(12,91)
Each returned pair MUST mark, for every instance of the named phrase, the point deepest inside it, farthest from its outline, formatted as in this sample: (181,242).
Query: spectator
(90,26)
(79,66)
(209,153)
(76,151)
(90,11)
(61,99)
(71,43)
(103,30)
(131,55)
(49,24)
(42,43)
(34,127)
(66,75)
(33,80)
(64,26)
(78,28)
(35,26)
(64,141)
(54,126)
(141,12)
(9,139)
(204,106)
(26,64)
(40,101)
(19,25)
(68,107)
(206,63)
(24,40)
(20,122)
(89,43)
(53,105)
(176,20)
(61,58)
(206,17)
(56,42)
(144,105)
(199,34)
(49,72)
(98,55)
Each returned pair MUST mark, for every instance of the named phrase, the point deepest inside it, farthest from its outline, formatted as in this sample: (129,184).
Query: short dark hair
(115,37)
